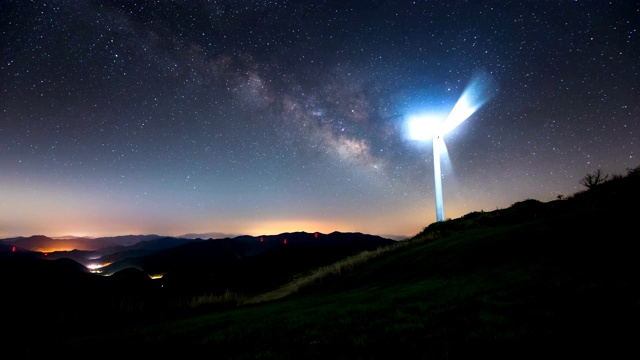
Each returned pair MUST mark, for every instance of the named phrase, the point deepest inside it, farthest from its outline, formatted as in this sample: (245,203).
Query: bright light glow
(479,90)
(423,127)
(95,268)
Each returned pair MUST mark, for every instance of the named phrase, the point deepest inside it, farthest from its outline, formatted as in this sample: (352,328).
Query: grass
(227,298)
(318,275)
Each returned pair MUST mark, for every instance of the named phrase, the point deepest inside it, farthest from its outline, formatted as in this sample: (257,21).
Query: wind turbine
(424,127)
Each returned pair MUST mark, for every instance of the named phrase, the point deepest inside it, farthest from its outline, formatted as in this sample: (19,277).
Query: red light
(285,241)
(13,248)
(315,235)
(261,239)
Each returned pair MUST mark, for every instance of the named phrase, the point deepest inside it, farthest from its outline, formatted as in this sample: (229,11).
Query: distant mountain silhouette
(191,267)
(208,235)
(46,244)
(243,263)
(129,256)
(395,237)
(84,257)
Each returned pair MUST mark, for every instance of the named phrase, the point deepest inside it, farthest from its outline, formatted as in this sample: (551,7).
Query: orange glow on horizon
(286,226)
(54,249)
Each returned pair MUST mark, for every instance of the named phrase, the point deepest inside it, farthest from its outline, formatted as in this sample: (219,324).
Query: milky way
(260,117)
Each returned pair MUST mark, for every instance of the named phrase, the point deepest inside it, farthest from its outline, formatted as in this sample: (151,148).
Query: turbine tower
(424,127)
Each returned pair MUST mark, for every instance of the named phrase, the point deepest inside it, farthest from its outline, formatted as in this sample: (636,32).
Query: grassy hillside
(536,280)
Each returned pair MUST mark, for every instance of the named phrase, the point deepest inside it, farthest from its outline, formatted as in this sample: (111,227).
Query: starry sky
(263,117)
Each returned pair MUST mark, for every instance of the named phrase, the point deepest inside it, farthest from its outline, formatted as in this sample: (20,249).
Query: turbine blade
(444,153)
(442,150)
(480,89)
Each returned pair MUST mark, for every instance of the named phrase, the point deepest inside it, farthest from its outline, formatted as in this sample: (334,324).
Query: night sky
(263,117)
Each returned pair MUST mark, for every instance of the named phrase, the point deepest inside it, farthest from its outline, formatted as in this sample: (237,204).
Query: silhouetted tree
(633,171)
(594,179)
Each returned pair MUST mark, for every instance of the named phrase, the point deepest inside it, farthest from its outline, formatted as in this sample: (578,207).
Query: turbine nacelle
(424,127)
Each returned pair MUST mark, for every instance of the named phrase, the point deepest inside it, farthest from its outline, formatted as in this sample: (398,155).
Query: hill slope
(536,280)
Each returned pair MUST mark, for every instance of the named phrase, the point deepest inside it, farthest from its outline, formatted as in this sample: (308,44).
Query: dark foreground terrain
(536,280)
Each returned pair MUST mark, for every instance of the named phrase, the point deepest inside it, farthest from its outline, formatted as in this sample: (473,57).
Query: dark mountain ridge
(192,265)
(44,243)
